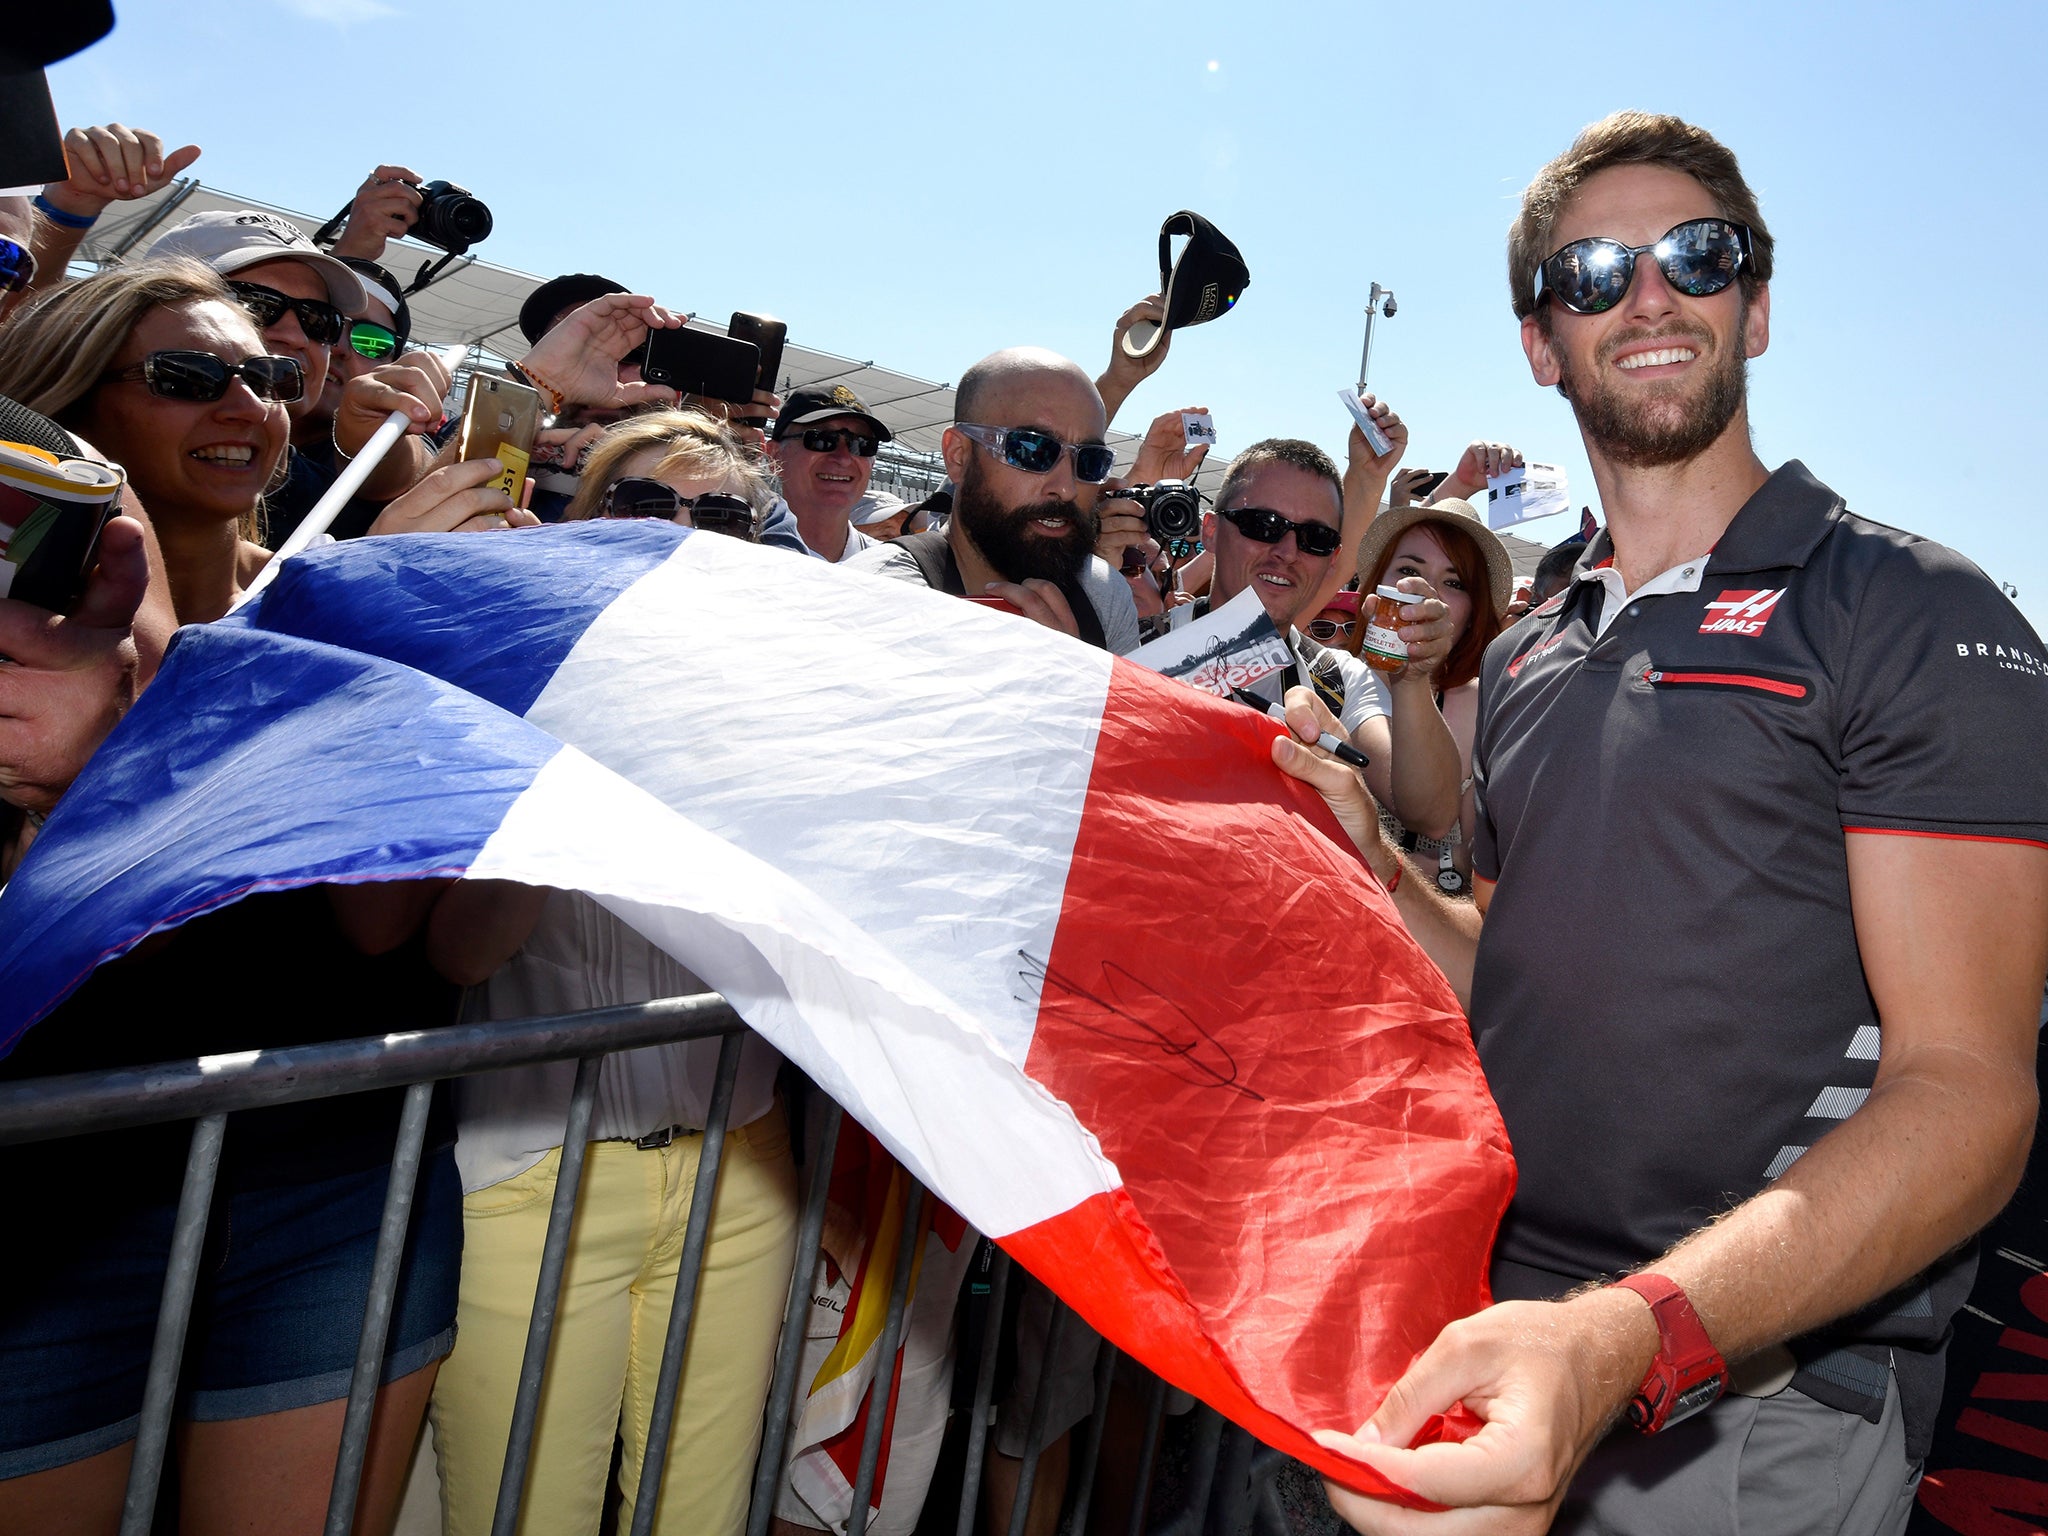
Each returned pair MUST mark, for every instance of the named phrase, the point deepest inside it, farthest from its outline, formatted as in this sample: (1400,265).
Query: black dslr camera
(1173,509)
(450,217)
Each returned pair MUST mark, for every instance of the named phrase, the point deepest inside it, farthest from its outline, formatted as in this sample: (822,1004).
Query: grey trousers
(1783,1465)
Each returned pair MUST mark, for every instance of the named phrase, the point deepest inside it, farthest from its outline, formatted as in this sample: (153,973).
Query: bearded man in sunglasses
(1756,990)
(1027,456)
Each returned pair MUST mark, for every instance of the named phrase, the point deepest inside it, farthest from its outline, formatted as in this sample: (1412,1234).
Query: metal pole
(984,1393)
(1155,1419)
(1091,1453)
(174,1312)
(1041,1419)
(689,1270)
(884,1384)
(369,1371)
(789,1348)
(547,1293)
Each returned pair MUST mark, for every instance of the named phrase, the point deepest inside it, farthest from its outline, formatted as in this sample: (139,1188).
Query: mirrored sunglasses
(1039,453)
(1698,258)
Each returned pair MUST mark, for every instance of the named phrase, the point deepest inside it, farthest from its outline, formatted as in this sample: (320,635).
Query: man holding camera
(1757,988)
(1026,453)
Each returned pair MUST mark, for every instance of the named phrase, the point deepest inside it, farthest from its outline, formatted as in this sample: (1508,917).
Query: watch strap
(1688,1373)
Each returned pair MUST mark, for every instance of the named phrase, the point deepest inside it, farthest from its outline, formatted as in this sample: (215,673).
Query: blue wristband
(58,216)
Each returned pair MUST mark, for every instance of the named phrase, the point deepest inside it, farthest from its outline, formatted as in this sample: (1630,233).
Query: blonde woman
(540,952)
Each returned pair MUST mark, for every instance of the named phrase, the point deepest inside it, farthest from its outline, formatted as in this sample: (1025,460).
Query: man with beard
(1026,453)
(1757,988)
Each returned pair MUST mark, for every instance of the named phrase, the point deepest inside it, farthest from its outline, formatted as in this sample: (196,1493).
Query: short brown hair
(1291,451)
(1631,138)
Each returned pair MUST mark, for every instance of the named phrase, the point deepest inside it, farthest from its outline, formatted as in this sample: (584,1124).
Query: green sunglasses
(378,343)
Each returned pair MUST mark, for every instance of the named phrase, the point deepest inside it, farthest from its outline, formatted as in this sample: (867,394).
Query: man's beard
(1008,542)
(1645,434)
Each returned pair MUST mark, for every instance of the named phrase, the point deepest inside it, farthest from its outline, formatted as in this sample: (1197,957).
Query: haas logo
(1740,613)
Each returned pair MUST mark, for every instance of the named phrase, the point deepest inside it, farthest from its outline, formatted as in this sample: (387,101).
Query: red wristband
(1688,1373)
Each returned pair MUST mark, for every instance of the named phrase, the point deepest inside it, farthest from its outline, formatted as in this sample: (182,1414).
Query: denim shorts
(275,1323)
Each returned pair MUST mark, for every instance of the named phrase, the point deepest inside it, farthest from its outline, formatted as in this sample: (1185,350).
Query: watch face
(1700,1394)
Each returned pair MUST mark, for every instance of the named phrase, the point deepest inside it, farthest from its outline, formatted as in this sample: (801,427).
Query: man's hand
(1478,464)
(1125,373)
(1407,485)
(581,356)
(1038,600)
(1164,453)
(114,164)
(1366,472)
(386,206)
(1547,1379)
(1120,523)
(1296,755)
(416,384)
(457,498)
(65,682)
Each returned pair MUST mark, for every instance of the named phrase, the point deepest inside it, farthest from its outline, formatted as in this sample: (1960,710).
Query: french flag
(1051,926)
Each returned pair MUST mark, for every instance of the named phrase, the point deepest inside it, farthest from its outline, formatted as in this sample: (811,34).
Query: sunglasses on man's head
(323,324)
(205,377)
(378,343)
(1039,453)
(1265,526)
(825,439)
(17,267)
(714,512)
(1698,258)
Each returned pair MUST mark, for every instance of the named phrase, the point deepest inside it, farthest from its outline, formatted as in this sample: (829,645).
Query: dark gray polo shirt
(1668,997)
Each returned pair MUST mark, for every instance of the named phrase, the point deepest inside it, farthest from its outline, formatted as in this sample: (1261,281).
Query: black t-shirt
(1668,998)
(269,971)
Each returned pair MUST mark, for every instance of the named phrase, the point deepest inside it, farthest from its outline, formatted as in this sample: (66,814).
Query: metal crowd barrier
(1227,1487)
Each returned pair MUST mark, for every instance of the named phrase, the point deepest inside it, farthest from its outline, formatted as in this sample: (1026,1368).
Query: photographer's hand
(1125,373)
(1164,454)
(385,207)
(457,498)
(105,166)
(1120,523)
(66,681)
(580,357)
(1478,464)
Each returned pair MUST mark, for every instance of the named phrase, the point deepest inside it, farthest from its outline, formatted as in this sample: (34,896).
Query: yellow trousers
(606,1356)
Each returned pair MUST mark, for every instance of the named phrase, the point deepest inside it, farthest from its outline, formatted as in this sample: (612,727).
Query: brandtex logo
(1740,613)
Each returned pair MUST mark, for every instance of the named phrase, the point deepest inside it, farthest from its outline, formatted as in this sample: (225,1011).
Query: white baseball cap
(231,240)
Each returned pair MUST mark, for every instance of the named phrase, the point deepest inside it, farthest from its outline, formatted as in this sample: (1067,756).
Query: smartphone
(51,514)
(767,333)
(499,420)
(1423,489)
(701,363)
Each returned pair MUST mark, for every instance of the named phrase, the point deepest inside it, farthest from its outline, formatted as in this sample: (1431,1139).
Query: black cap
(571,291)
(804,406)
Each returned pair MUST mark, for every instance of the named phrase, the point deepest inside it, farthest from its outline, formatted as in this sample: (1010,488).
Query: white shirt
(1685,577)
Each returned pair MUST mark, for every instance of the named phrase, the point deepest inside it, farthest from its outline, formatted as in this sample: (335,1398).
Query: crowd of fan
(233,369)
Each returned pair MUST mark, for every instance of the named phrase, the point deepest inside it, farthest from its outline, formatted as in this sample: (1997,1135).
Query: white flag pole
(350,480)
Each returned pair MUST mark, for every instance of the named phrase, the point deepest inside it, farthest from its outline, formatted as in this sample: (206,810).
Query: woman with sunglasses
(1467,567)
(679,466)
(159,369)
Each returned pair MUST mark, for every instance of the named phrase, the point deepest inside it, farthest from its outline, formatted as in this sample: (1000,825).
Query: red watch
(1688,1372)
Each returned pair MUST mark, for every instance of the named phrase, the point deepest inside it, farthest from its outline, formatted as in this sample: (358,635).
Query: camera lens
(450,217)
(1173,510)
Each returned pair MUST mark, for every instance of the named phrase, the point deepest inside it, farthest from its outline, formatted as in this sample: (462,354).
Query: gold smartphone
(499,420)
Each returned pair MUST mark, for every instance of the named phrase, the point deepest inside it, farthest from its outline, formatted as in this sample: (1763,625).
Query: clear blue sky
(920,184)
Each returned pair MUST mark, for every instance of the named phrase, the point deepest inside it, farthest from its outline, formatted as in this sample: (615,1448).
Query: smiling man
(824,444)
(1757,988)
(1027,454)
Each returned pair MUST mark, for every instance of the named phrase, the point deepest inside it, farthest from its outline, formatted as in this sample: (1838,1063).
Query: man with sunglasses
(1276,527)
(1756,990)
(1027,456)
(824,446)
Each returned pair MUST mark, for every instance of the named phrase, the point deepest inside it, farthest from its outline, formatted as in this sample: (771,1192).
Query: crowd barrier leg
(984,1394)
(547,1294)
(690,1268)
(1091,1451)
(886,1363)
(369,1370)
(1148,1452)
(789,1349)
(1041,1418)
(174,1311)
